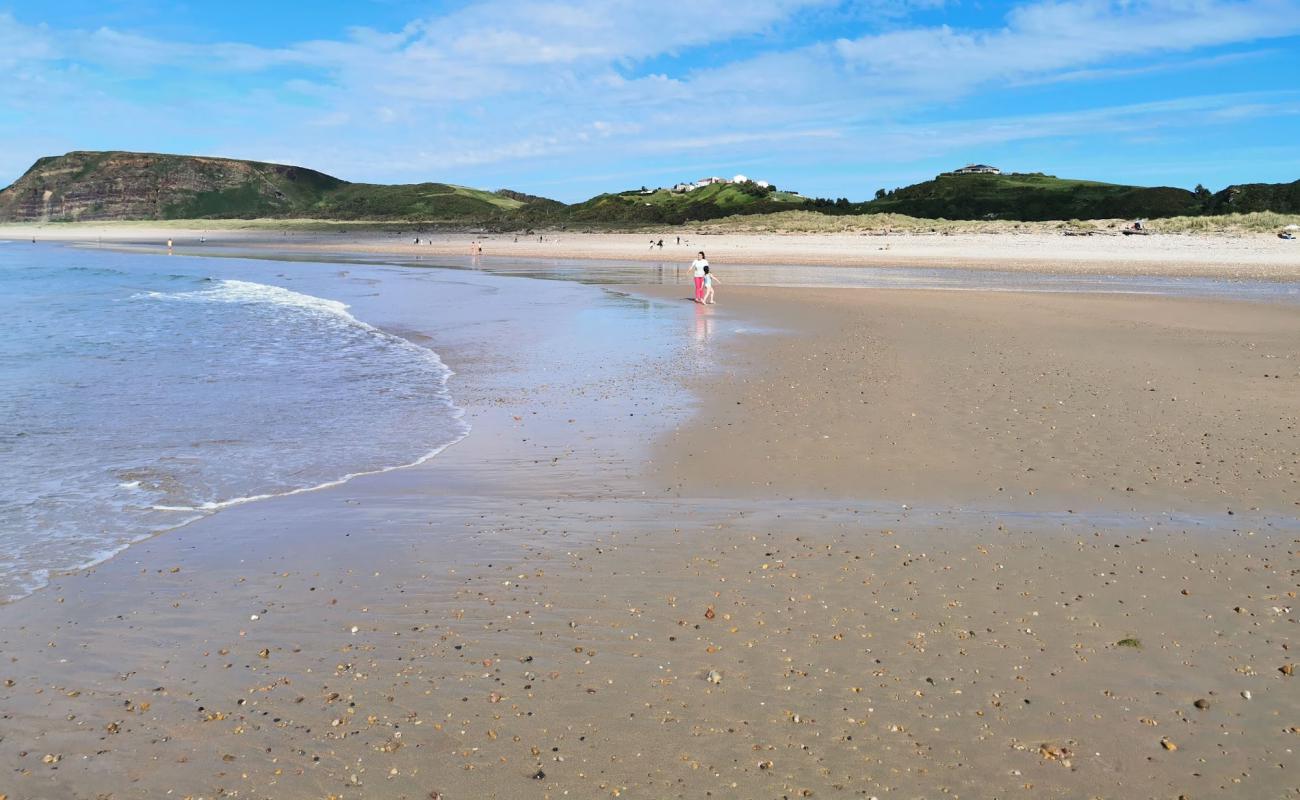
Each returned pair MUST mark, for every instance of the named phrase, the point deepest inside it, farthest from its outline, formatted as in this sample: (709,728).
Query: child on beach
(699,267)
(709,280)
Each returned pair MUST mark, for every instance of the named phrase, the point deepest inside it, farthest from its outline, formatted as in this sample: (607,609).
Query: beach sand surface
(996,400)
(624,584)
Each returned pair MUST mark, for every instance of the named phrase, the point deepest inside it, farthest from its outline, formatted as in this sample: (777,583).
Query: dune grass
(814,222)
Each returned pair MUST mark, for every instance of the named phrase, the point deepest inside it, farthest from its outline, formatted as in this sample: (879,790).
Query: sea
(139,393)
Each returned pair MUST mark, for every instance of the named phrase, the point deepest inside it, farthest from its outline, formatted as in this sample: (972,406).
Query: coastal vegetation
(107,186)
(674,208)
(884,223)
(1032,197)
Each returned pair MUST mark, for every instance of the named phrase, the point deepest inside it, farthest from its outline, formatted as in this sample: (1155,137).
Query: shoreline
(537,609)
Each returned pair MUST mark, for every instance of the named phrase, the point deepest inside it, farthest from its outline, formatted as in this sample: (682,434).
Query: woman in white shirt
(698,267)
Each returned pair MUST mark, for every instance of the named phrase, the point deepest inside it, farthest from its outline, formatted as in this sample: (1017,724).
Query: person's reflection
(703,326)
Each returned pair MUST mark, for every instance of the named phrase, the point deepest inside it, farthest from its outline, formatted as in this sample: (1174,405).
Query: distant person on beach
(709,280)
(699,268)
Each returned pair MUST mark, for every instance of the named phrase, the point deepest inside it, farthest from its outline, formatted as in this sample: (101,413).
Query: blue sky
(569,98)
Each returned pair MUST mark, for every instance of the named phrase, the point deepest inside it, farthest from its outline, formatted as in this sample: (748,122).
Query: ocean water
(139,393)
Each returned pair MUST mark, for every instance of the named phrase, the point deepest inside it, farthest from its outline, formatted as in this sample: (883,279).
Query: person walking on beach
(699,268)
(709,280)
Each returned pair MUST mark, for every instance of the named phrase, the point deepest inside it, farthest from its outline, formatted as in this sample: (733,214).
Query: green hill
(148,186)
(669,207)
(1032,197)
(1282,198)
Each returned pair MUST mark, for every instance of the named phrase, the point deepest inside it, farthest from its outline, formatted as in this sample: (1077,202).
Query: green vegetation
(880,224)
(1033,197)
(1134,643)
(238,201)
(436,201)
(664,206)
(1247,197)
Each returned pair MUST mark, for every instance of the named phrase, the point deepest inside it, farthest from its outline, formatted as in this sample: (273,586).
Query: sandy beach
(1243,256)
(804,543)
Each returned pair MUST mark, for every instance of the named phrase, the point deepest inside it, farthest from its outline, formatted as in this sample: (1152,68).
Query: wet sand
(597,593)
(999,401)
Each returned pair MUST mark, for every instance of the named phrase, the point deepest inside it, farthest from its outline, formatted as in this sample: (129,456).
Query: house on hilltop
(702,182)
(976,169)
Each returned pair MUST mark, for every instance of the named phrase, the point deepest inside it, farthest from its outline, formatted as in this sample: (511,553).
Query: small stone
(539,775)
(714,677)
(51,758)
(264,653)
(1202,703)
(1246,694)
(1168,745)
(1287,669)
(709,613)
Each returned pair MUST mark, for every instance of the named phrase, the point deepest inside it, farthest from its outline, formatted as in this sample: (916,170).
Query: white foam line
(238,501)
(41,577)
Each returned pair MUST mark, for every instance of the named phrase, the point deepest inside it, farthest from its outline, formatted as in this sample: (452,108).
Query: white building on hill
(977,169)
(702,182)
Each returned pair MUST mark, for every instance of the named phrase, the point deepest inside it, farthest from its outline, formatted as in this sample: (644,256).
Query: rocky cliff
(119,185)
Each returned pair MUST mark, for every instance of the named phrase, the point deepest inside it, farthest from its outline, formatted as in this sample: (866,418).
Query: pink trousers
(699,288)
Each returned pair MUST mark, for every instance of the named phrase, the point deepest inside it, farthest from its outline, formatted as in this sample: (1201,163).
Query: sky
(571,98)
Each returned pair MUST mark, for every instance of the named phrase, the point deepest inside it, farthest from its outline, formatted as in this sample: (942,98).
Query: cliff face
(119,185)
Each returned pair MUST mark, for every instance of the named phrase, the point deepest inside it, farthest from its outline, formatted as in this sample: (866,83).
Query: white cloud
(1046,37)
